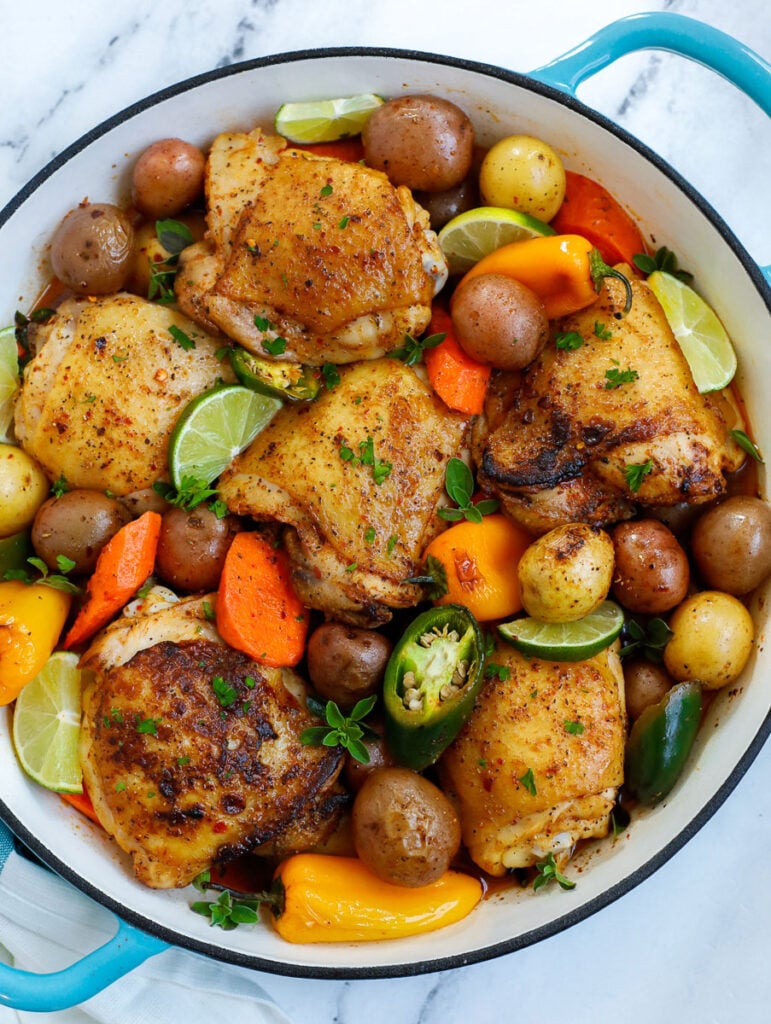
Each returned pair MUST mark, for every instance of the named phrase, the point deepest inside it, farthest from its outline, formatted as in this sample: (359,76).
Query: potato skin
(192,547)
(77,525)
(523,173)
(652,573)
(404,828)
(645,683)
(91,249)
(731,544)
(566,573)
(423,142)
(499,320)
(443,206)
(713,639)
(23,489)
(345,663)
(167,177)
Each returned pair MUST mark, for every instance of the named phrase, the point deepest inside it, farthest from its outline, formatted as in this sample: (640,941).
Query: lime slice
(566,641)
(9,379)
(214,428)
(471,235)
(325,120)
(46,725)
(701,336)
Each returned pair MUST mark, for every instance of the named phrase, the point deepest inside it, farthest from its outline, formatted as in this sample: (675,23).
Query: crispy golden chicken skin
(191,751)
(538,765)
(101,396)
(562,450)
(358,475)
(324,253)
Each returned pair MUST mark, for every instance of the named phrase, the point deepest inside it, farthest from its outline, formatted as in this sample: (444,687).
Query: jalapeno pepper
(290,381)
(660,742)
(431,682)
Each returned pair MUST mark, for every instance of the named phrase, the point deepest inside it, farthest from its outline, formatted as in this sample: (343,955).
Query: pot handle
(25,990)
(688,37)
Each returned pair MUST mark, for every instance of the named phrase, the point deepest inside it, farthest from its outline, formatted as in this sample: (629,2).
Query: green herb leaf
(663,259)
(635,474)
(275,347)
(331,376)
(501,672)
(60,486)
(191,492)
(528,781)
(227,912)
(459,484)
(148,726)
(746,444)
(601,331)
(369,535)
(173,235)
(574,728)
(411,352)
(548,872)
(181,338)
(224,692)
(615,377)
(325,190)
(342,732)
(648,641)
(569,341)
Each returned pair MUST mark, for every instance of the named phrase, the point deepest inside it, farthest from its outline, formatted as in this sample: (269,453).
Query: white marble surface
(692,942)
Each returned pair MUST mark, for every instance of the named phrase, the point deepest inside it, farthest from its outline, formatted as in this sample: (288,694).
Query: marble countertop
(692,942)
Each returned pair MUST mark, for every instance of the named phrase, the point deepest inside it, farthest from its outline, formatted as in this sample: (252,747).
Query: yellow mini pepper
(564,271)
(31,619)
(337,899)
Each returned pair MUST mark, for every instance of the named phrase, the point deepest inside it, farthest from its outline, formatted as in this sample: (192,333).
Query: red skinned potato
(167,177)
(651,574)
(499,321)
(731,544)
(92,248)
(192,547)
(423,142)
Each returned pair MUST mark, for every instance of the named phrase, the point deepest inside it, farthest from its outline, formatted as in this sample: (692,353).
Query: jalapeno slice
(290,381)
(431,683)
(660,742)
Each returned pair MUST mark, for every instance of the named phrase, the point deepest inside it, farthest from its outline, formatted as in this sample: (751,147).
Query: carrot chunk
(459,380)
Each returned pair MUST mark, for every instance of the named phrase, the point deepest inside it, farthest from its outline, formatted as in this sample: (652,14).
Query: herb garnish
(191,493)
(343,224)
(148,726)
(60,486)
(331,376)
(186,343)
(649,640)
(574,728)
(601,331)
(663,259)
(411,352)
(501,672)
(569,341)
(615,377)
(224,692)
(746,444)
(325,190)
(57,581)
(174,236)
(459,484)
(366,457)
(227,911)
(528,781)
(275,346)
(548,872)
(635,473)
(341,731)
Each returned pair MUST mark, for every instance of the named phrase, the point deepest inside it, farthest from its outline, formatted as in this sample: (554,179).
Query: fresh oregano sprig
(341,731)
(663,259)
(57,581)
(411,352)
(648,641)
(549,872)
(231,908)
(459,484)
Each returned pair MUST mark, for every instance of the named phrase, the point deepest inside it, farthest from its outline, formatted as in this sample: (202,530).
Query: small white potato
(523,173)
(567,573)
(23,489)
(713,639)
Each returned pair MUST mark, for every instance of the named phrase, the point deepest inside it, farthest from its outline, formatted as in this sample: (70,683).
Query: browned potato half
(167,177)
(499,321)
(651,574)
(731,544)
(645,683)
(77,525)
(192,547)
(346,663)
(423,142)
(404,828)
(91,249)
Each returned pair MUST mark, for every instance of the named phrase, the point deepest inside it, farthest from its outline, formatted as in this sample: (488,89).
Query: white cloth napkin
(46,924)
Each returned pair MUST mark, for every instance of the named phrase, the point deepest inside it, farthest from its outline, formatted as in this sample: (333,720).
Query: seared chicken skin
(101,396)
(327,255)
(538,765)
(191,751)
(564,448)
(358,475)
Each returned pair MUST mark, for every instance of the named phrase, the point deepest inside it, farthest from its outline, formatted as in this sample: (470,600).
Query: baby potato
(167,177)
(652,573)
(731,544)
(713,636)
(346,663)
(523,173)
(499,321)
(645,683)
(567,573)
(423,142)
(23,489)
(91,249)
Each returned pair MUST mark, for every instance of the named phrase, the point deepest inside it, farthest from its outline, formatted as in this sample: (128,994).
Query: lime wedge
(9,379)
(471,235)
(214,428)
(702,338)
(46,725)
(566,641)
(325,120)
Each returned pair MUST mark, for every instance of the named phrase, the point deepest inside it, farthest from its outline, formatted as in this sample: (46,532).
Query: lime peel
(312,121)
(566,641)
(470,236)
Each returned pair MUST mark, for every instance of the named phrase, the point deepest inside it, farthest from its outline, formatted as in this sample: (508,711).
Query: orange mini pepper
(564,271)
(325,898)
(31,619)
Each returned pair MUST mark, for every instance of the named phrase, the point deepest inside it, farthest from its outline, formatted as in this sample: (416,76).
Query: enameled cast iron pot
(499,102)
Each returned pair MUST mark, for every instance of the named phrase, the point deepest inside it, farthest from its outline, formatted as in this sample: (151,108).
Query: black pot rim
(559,924)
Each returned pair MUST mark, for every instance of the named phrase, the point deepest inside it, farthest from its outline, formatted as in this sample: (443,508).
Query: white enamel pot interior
(499,103)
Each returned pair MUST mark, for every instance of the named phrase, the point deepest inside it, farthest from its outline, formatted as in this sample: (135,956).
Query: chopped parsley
(148,726)
(528,781)
(181,338)
(615,377)
(501,672)
(574,728)
(366,457)
(635,473)
(275,346)
(601,331)
(331,376)
(411,352)
(224,692)
(569,341)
